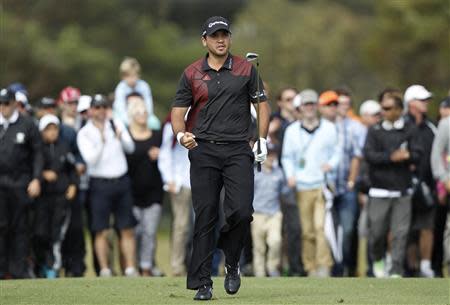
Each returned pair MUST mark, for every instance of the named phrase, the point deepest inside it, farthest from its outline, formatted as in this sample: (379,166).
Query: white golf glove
(262,156)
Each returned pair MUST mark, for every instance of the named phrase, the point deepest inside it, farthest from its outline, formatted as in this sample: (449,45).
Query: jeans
(346,206)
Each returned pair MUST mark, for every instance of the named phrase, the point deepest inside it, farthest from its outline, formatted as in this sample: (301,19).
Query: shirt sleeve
(337,149)
(357,144)
(288,155)
(253,87)
(36,147)
(90,149)
(125,138)
(70,167)
(439,151)
(183,97)
(165,154)
(120,104)
(147,95)
(372,154)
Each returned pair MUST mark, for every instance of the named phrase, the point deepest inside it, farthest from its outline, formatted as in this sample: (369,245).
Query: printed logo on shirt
(20,138)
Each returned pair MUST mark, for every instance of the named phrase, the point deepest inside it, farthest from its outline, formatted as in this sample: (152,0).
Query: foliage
(322,44)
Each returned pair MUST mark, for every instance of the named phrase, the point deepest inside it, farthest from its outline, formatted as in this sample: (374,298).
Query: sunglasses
(100,107)
(332,104)
(5,103)
(387,108)
(309,104)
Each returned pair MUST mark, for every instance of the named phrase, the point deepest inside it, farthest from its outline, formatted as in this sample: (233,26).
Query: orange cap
(328,97)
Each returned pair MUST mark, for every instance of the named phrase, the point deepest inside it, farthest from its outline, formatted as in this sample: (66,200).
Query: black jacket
(58,158)
(380,143)
(20,153)
(425,131)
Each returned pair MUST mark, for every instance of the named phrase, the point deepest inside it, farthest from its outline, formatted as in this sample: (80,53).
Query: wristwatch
(350,184)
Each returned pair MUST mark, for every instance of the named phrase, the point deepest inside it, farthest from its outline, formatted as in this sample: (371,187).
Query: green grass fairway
(253,291)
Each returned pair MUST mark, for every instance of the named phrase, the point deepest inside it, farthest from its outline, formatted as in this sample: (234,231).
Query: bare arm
(177,118)
(186,139)
(264,117)
(354,170)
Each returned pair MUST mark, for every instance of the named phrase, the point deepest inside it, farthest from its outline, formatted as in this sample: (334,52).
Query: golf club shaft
(258,165)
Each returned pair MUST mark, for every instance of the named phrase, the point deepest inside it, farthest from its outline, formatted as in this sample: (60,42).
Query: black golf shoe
(232,279)
(204,293)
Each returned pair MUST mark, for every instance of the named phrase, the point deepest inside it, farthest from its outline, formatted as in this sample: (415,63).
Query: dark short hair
(134,94)
(393,94)
(389,93)
(345,91)
(280,93)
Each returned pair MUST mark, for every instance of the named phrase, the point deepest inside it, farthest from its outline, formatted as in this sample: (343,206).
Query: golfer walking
(219,88)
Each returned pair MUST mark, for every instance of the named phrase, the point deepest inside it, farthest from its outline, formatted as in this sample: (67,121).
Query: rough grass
(253,291)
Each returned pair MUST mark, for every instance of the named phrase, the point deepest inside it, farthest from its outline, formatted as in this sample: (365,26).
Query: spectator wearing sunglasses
(391,148)
(103,144)
(417,99)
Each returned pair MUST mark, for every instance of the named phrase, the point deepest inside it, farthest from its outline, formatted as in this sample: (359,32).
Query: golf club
(252,57)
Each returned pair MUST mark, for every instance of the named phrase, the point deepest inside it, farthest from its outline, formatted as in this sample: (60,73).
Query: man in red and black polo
(219,88)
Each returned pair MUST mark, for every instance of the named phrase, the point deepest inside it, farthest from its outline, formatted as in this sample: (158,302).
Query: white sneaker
(425,269)
(387,263)
(156,271)
(379,269)
(105,272)
(323,272)
(130,272)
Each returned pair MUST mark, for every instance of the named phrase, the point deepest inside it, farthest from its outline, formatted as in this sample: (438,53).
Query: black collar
(310,131)
(228,64)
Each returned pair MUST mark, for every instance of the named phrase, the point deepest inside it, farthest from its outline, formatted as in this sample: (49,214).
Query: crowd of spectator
(335,184)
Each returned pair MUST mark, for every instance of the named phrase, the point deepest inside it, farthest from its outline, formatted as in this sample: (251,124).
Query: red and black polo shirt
(219,100)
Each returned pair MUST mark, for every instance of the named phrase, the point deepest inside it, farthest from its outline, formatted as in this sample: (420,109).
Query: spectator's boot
(232,279)
(204,293)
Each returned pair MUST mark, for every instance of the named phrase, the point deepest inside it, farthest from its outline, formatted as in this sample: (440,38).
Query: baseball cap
(328,97)
(369,107)
(445,103)
(99,100)
(69,94)
(6,95)
(21,97)
(16,87)
(47,120)
(47,102)
(416,92)
(214,24)
(304,97)
(84,103)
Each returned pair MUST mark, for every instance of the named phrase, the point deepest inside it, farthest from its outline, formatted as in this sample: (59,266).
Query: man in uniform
(21,164)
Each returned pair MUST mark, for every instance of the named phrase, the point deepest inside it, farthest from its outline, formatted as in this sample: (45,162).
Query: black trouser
(51,223)
(438,243)
(73,250)
(14,241)
(292,233)
(214,166)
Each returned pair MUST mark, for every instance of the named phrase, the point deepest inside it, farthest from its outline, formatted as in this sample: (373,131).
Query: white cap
(297,101)
(416,92)
(47,120)
(21,97)
(305,96)
(369,107)
(84,103)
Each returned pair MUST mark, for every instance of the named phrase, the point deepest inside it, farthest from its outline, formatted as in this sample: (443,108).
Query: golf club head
(251,56)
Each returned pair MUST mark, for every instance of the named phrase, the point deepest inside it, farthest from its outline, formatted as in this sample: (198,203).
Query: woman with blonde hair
(146,183)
